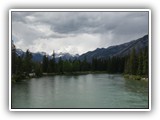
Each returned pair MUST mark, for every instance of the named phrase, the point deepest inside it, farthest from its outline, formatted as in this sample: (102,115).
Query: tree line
(137,64)
(133,64)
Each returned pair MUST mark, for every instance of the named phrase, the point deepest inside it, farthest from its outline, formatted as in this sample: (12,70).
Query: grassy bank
(135,77)
(16,78)
(75,73)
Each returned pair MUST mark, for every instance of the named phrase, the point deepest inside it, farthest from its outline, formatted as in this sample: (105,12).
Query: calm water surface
(81,91)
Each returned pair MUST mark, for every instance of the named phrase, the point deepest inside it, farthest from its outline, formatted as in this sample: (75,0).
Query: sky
(75,32)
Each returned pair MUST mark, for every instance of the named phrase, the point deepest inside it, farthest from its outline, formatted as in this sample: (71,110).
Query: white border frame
(87,10)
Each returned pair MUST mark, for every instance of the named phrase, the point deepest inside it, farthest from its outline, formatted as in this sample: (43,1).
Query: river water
(80,91)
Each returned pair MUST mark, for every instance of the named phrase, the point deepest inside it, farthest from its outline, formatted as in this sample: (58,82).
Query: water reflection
(136,86)
(22,96)
(80,91)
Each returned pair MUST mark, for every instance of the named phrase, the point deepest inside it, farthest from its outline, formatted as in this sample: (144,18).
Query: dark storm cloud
(83,22)
(92,22)
(108,28)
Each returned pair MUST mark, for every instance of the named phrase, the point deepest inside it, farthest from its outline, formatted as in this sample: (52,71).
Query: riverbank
(19,77)
(16,78)
(75,73)
(135,77)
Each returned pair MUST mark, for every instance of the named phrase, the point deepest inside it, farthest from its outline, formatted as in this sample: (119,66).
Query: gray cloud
(76,31)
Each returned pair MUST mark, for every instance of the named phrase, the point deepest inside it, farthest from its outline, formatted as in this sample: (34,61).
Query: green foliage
(45,64)
(85,66)
(76,66)
(14,57)
(21,65)
(137,64)
(133,64)
(140,63)
(133,77)
(67,66)
(28,62)
(38,70)
(145,62)
(60,65)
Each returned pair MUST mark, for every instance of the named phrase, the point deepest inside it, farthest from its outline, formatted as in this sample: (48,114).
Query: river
(80,91)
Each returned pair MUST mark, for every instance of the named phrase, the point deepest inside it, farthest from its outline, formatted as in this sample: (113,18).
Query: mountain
(19,52)
(118,50)
(66,56)
(100,53)
(38,56)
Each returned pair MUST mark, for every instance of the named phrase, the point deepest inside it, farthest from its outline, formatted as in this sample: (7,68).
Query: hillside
(118,50)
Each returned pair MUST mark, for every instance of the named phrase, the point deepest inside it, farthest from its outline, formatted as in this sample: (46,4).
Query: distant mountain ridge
(100,53)
(117,50)
(38,56)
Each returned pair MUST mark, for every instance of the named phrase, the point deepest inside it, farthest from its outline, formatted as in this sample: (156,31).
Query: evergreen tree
(137,64)
(38,69)
(60,65)
(145,62)
(20,65)
(52,62)
(76,65)
(67,66)
(131,64)
(13,59)
(140,63)
(94,64)
(45,64)
(28,62)
(85,66)
(127,66)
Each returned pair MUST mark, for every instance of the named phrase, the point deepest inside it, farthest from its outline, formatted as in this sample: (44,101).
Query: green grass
(135,77)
